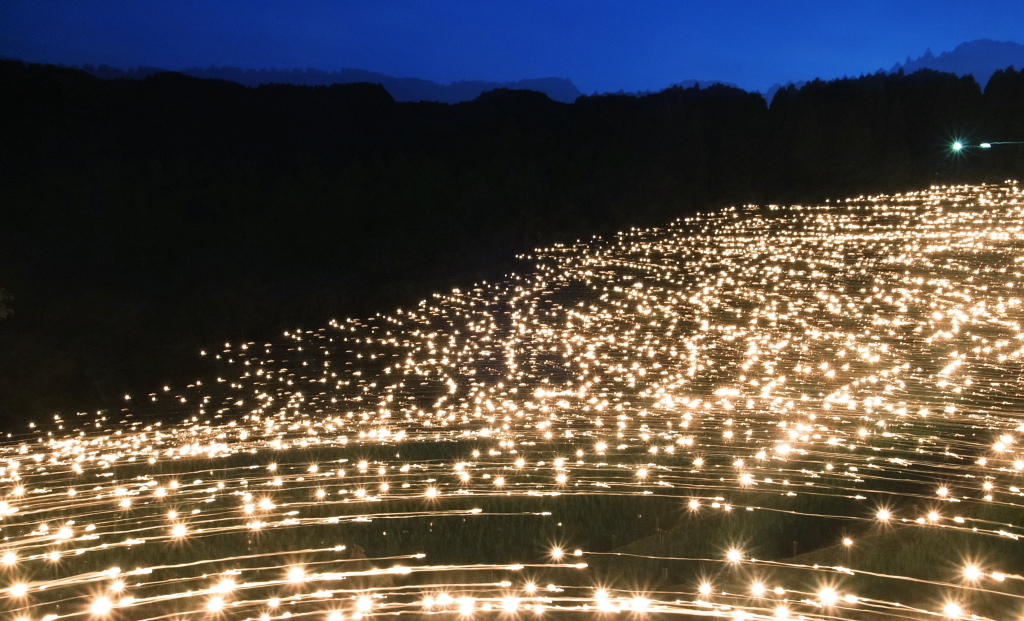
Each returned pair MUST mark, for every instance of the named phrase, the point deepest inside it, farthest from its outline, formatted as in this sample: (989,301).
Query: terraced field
(763,413)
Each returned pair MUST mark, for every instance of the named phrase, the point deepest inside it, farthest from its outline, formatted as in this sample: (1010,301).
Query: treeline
(144,220)
(402,89)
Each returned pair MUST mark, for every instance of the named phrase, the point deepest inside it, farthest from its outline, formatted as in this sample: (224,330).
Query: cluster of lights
(826,350)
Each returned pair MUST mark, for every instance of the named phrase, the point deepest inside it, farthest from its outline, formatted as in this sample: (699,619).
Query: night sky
(600,45)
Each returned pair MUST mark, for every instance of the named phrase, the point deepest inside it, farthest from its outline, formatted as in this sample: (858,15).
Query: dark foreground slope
(145,220)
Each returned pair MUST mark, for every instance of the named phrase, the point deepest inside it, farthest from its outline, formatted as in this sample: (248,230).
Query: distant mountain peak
(980,58)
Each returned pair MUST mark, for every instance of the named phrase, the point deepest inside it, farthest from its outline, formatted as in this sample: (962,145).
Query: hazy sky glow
(600,45)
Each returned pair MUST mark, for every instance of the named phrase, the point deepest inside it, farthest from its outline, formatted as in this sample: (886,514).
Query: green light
(957,146)
(985,145)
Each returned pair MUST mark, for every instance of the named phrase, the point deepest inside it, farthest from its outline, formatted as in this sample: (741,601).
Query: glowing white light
(101,606)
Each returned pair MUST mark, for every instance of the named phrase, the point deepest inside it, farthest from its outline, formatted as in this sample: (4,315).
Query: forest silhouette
(146,220)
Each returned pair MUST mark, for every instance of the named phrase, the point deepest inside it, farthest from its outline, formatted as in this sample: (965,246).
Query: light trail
(638,426)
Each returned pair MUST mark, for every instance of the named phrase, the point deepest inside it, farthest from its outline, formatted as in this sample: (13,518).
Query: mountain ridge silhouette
(402,89)
(980,58)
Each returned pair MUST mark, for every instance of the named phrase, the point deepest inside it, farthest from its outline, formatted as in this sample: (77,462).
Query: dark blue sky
(600,45)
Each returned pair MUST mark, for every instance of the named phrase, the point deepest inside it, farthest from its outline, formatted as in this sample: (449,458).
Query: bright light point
(639,604)
(19,590)
(216,604)
(557,553)
(364,604)
(296,575)
(828,596)
(117,586)
(705,588)
(226,585)
(757,589)
(847,542)
(734,556)
(957,146)
(953,610)
(101,606)
(510,604)
(10,558)
(972,572)
(985,145)
(884,515)
(179,530)
(781,612)
(335,616)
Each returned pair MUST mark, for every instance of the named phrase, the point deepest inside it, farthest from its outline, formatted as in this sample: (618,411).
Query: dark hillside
(144,220)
